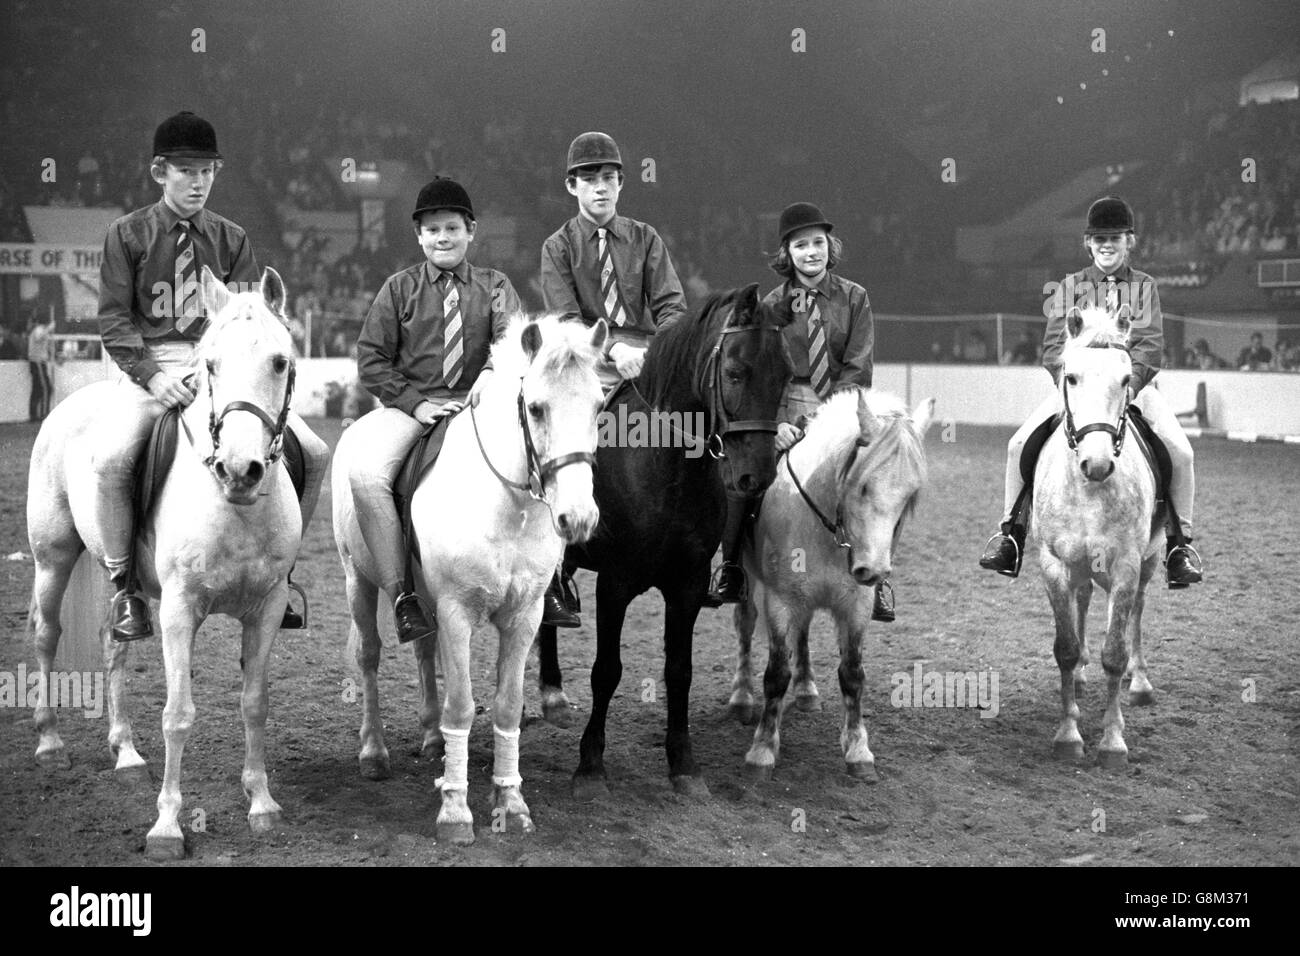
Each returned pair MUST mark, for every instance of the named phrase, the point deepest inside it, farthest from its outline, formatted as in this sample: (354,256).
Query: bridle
(276,425)
(1073,435)
(710,392)
(837,530)
(538,471)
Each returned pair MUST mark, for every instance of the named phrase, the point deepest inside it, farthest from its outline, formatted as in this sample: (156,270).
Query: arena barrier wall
(1266,403)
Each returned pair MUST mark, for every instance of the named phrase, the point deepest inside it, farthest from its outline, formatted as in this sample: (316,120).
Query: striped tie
(1112,295)
(453,356)
(609,282)
(819,368)
(186,288)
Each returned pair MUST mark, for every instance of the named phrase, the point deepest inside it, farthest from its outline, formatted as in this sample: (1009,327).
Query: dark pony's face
(754,369)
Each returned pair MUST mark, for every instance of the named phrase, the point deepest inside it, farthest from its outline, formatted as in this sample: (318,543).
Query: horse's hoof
(558,714)
(586,789)
(746,714)
(519,823)
(865,771)
(54,759)
(690,786)
(263,822)
(456,833)
(133,777)
(376,768)
(760,772)
(809,703)
(1141,698)
(1112,759)
(1067,749)
(164,848)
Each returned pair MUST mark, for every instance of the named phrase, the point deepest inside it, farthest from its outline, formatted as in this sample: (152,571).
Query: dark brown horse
(662,509)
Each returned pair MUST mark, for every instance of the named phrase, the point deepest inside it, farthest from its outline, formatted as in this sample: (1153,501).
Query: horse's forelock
(248,306)
(835,427)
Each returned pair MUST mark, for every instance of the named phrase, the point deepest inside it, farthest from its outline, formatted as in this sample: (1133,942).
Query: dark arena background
(957,147)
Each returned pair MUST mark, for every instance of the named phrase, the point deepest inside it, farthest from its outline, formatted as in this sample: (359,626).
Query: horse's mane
(833,430)
(681,345)
(565,346)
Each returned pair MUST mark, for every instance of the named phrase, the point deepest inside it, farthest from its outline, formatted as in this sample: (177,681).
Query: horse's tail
(83,614)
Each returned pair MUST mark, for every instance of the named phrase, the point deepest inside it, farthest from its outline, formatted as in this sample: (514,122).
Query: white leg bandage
(505,754)
(455,762)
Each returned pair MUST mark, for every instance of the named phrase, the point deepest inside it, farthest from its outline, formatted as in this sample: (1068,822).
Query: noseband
(538,470)
(1073,435)
(276,425)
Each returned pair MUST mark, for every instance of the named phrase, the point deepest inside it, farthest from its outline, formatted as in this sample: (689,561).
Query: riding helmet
(593,149)
(443,193)
(185,135)
(801,215)
(1109,214)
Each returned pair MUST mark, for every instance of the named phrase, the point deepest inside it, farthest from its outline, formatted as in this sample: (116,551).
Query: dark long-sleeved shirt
(850,329)
(1088,287)
(401,346)
(647,282)
(138,275)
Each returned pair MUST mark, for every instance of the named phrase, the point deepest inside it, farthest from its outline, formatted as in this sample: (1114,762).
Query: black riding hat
(593,149)
(1108,215)
(185,135)
(443,193)
(801,215)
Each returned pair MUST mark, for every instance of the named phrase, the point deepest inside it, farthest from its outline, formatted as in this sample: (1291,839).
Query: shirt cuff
(144,370)
(409,401)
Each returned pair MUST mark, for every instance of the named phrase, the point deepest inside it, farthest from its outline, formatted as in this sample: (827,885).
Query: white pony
(222,537)
(825,539)
(512,486)
(1096,521)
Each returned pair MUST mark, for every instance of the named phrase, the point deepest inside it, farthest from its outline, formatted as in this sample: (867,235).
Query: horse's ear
(531,340)
(746,304)
(1074,321)
(923,416)
(214,291)
(1124,319)
(273,290)
(868,424)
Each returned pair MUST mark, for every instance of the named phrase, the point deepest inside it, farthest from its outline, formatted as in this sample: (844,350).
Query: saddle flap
(153,466)
(414,467)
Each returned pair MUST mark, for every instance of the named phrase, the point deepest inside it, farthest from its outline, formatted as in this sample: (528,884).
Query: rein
(538,471)
(837,530)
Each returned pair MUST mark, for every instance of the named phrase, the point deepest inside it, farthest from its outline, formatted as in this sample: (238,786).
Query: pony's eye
(1071,380)
(735,377)
(865,489)
(536,410)
(279,363)
(212,367)
(1127,379)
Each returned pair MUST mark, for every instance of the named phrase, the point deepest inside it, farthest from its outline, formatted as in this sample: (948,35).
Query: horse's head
(560,399)
(745,383)
(1095,375)
(246,376)
(881,477)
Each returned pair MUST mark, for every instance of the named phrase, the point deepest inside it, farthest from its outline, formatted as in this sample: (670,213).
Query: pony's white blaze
(487,550)
(197,554)
(862,465)
(1095,520)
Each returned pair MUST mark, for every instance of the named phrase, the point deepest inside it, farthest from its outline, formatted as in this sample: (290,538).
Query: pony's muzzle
(240,479)
(576,525)
(1097,469)
(867,576)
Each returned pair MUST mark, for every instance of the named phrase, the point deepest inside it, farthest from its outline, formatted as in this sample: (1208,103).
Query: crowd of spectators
(1195,210)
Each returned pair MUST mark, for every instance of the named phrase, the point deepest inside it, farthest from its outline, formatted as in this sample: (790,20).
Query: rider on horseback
(423,347)
(151,318)
(603,265)
(831,341)
(1112,282)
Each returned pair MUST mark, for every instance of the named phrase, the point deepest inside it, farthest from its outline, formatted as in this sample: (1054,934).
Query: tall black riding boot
(729,582)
